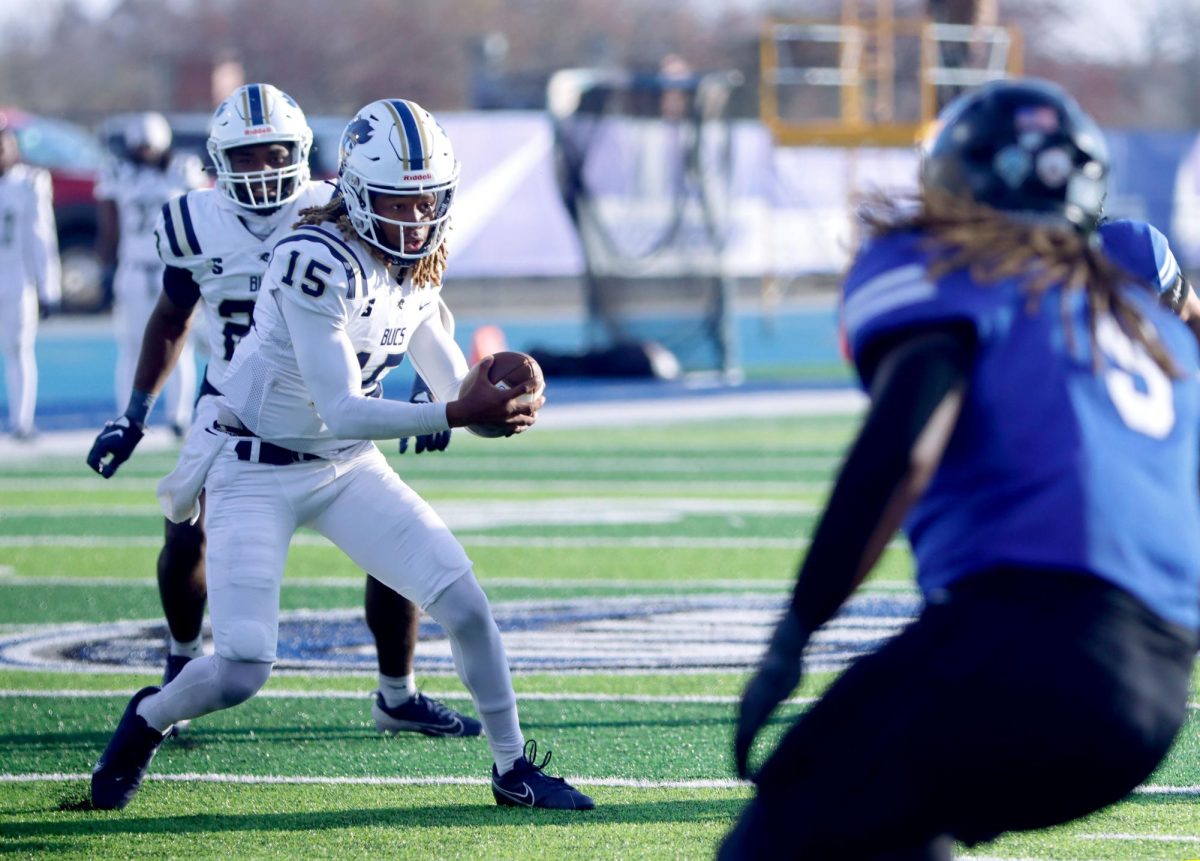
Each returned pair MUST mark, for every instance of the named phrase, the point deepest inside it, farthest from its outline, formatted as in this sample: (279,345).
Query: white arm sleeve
(41,242)
(437,358)
(332,376)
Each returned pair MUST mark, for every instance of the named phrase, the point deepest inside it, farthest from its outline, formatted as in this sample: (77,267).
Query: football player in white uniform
(347,295)
(131,191)
(216,244)
(29,275)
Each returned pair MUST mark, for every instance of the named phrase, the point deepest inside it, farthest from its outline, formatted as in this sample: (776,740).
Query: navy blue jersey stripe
(256,106)
(169,229)
(341,243)
(416,152)
(188,230)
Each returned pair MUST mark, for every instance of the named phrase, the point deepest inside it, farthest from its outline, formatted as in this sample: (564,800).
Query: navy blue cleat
(528,785)
(175,663)
(118,775)
(424,715)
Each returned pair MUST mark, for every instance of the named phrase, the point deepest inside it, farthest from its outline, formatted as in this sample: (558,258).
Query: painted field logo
(626,634)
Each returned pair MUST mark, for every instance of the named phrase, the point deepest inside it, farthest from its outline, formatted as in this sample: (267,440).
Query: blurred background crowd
(714,206)
(69,68)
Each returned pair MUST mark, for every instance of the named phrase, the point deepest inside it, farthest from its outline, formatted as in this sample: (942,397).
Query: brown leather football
(509,369)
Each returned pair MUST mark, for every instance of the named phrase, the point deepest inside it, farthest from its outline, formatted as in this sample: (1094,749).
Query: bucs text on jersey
(317,268)
(226,249)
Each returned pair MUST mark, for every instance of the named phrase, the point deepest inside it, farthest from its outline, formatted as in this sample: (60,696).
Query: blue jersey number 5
(1139,388)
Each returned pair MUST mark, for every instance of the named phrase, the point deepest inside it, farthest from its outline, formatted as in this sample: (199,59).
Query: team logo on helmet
(359,131)
(1012,165)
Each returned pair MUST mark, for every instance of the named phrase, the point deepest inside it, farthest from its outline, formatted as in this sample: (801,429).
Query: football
(509,369)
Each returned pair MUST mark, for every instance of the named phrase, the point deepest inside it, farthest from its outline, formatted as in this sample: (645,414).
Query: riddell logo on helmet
(261,130)
(415,176)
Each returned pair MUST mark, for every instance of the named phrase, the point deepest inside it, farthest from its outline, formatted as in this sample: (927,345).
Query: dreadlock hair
(993,246)
(428,270)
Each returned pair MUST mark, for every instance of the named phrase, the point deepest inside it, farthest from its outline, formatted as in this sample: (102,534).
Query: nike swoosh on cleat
(454,725)
(525,798)
(110,433)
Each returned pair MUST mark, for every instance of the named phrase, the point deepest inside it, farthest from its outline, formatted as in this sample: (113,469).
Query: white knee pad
(462,608)
(245,640)
(237,681)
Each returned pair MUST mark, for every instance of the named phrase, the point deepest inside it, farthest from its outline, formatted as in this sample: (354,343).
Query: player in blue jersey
(1035,423)
(1141,250)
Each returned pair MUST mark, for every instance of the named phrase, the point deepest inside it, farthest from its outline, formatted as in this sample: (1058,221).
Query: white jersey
(208,234)
(28,242)
(317,269)
(139,192)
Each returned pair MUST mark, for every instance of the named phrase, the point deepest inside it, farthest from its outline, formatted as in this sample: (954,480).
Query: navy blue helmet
(1022,146)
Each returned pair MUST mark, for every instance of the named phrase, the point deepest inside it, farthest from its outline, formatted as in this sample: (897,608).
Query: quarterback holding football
(347,294)
(215,244)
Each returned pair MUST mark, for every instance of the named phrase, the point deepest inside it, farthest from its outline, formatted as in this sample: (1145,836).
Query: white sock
(463,611)
(504,736)
(194,649)
(397,690)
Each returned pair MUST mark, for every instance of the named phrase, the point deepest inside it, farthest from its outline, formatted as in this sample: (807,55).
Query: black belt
(269,453)
(255,450)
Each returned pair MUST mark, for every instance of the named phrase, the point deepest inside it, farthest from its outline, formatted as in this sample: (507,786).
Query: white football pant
(361,505)
(18,332)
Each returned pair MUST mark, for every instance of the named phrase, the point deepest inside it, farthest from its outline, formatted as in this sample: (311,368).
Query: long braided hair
(993,246)
(428,270)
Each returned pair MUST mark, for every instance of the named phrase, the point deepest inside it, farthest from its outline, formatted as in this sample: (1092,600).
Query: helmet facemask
(360,203)
(260,189)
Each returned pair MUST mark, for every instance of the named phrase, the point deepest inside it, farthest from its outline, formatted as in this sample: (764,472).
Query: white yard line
(355,580)
(492,488)
(1159,838)
(397,780)
(437,780)
(832,403)
(702,699)
(283,694)
(530,541)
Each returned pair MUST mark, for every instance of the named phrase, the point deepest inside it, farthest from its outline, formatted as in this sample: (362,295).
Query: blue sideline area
(795,348)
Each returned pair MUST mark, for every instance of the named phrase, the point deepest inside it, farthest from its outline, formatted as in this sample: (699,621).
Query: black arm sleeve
(180,287)
(911,378)
(1175,296)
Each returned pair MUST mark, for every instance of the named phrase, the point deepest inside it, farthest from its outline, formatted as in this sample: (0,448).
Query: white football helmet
(258,114)
(396,147)
(150,130)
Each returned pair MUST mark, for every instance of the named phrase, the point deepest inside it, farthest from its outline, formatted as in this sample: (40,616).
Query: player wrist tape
(139,406)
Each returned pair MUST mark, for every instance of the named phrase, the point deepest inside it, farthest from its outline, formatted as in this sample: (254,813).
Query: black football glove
(116,442)
(426,441)
(777,676)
